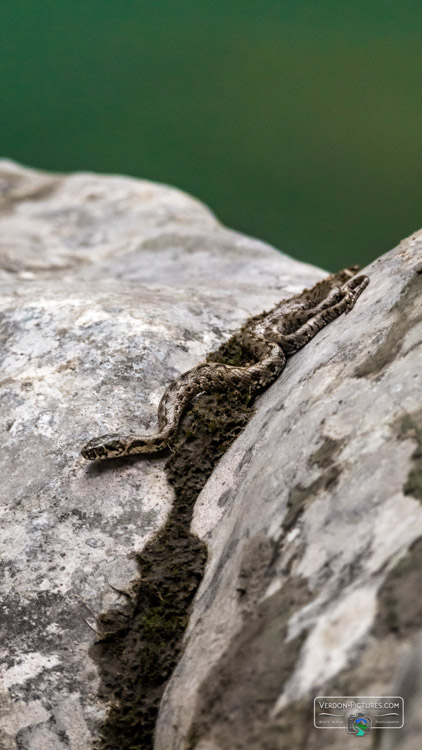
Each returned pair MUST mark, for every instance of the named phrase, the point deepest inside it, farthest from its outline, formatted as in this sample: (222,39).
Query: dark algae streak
(411,426)
(406,309)
(142,641)
(324,458)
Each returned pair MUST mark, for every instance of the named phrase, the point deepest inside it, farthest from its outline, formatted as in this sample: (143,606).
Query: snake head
(106,446)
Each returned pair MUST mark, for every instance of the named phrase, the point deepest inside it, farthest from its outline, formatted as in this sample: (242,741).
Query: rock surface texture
(110,288)
(313,522)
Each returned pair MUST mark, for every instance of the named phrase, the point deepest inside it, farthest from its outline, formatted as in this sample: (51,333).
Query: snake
(270,338)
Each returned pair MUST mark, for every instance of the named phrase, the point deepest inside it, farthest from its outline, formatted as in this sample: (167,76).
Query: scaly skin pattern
(270,337)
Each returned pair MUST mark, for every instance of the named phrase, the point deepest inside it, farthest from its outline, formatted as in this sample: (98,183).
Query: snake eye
(88,453)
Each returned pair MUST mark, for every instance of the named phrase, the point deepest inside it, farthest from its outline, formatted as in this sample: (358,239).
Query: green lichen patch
(143,640)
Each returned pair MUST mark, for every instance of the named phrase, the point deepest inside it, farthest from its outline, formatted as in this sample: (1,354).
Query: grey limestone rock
(110,288)
(313,523)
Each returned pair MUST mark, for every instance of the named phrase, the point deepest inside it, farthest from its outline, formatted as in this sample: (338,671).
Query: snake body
(270,338)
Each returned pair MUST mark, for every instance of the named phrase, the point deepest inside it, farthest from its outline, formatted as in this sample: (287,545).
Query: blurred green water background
(296,121)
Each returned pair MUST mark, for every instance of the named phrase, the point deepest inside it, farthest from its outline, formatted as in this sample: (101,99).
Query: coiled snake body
(269,337)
